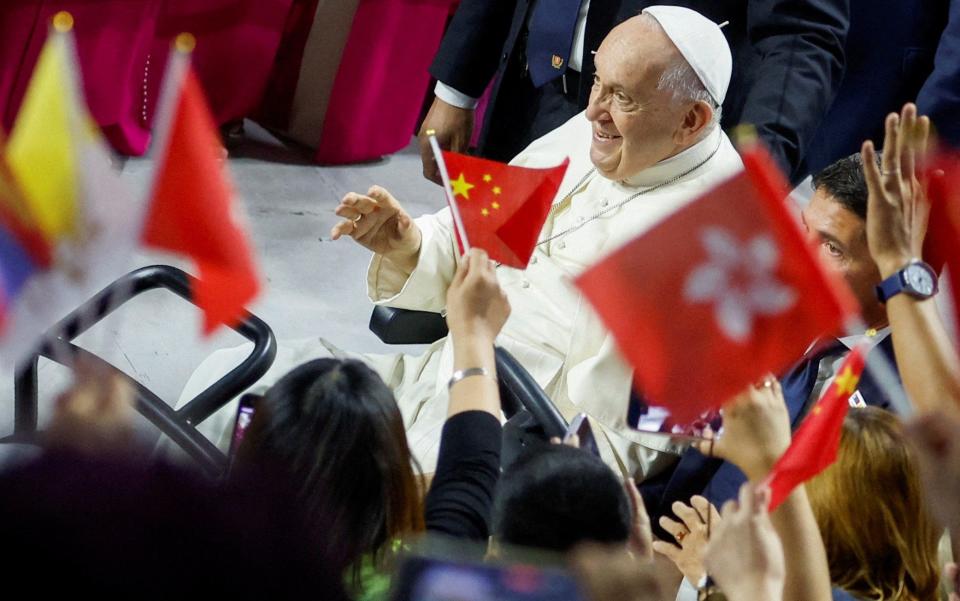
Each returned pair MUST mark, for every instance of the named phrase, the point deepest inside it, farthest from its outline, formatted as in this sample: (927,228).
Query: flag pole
(61,32)
(454,209)
(883,370)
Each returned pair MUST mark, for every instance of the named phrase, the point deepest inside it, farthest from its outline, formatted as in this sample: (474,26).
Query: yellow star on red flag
(847,382)
(461,187)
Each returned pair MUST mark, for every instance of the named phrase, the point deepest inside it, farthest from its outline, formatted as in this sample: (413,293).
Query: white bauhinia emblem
(740,281)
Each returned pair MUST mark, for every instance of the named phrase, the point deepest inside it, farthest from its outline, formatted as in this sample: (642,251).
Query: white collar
(677,164)
(873,335)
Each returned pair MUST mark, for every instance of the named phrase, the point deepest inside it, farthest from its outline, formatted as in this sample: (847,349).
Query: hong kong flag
(502,207)
(720,293)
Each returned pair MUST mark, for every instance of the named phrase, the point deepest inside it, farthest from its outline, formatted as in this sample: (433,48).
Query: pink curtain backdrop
(113,41)
(237,41)
(382,78)
(122,47)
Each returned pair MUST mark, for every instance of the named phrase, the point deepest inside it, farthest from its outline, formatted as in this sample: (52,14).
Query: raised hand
(897,210)
(745,555)
(95,415)
(476,305)
(378,222)
(756,430)
(691,534)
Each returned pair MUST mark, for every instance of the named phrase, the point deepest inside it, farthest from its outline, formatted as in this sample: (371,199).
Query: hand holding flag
(497,207)
(817,440)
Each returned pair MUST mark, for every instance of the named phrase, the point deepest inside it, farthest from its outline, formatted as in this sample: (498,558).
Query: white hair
(682,82)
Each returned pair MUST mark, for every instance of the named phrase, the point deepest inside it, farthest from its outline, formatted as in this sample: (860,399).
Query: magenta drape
(122,47)
(382,79)
(237,41)
(113,42)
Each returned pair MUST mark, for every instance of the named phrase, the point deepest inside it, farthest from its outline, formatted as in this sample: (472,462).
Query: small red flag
(192,210)
(816,441)
(942,245)
(721,292)
(503,207)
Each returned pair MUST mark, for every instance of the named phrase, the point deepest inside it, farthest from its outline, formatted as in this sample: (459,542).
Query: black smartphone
(245,410)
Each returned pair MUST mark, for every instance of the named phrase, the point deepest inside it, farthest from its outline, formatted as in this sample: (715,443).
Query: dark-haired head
(845,182)
(334,428)
(556,496)
(836,221)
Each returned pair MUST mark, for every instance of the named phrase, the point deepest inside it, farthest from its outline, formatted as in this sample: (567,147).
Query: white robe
(552,331)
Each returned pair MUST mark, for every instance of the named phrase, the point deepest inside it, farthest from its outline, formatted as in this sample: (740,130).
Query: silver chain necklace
(602,212)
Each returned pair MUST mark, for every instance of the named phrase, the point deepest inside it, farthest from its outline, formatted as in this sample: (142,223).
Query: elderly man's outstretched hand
(378,222)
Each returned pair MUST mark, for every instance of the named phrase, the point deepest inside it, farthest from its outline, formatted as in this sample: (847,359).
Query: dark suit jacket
(897,51)
(787,58)
(720,481)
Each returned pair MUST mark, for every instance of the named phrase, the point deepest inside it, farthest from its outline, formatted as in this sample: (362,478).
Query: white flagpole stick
(883,371)
(451,202)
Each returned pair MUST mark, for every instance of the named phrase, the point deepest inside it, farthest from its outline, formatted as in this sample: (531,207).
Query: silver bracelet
(461,374)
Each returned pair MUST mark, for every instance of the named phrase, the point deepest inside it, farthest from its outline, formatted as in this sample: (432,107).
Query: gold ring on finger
(680,536)
(358,218)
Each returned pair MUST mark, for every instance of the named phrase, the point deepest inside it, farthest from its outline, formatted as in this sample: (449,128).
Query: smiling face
(635,125)
(841,236)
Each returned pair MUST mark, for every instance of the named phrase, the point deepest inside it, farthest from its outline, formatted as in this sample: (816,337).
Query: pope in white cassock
(648,143)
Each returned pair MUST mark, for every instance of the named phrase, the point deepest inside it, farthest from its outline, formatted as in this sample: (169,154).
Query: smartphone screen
(648,418)
(245,410)
(432,579)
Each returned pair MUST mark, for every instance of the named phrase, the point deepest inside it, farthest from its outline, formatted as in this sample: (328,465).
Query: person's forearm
(404,262)
(475,393)
(927,361)
(808,574)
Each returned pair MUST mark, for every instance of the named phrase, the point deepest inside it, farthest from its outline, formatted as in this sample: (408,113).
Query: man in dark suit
(788,61)
(897,51)
(836,219)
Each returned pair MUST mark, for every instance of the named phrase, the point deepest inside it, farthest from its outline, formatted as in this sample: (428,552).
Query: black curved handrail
(518,389)
(518,386)
(180,424)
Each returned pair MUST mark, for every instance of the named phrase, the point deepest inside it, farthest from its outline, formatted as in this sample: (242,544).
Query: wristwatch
(917,279)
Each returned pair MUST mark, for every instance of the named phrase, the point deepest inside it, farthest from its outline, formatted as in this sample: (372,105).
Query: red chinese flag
(816,441)
(942,245)
(721,292)
(192,210)
(503,207)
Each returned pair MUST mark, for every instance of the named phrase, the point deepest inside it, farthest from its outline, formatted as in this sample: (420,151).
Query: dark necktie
(550,36)
(799,381)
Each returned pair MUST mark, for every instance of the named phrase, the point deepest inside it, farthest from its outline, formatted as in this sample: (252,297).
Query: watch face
(920,280)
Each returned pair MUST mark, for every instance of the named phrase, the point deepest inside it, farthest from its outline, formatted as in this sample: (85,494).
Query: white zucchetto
(701,43)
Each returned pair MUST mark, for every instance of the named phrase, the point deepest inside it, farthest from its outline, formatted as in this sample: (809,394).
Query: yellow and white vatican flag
(70,195)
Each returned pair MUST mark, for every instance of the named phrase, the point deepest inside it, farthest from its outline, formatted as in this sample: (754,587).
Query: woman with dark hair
(332,431)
